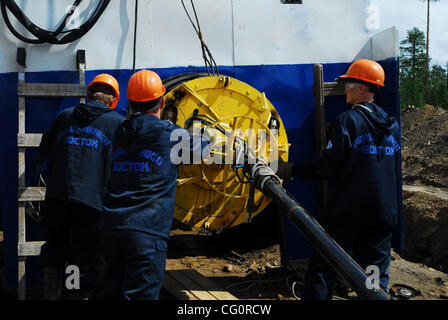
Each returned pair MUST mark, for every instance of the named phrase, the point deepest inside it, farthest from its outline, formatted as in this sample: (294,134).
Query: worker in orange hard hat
(362,166)
(144,86)
(367,71)
(138,211)
(109,87)
(366,75)
(77,149)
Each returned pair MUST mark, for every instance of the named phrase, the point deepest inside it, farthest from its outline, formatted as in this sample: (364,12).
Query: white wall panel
(238,32)
(316,31)
(175,41)
(385,44)
(381,46)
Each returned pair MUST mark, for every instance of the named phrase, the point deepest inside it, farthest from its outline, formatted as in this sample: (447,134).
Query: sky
(406,14)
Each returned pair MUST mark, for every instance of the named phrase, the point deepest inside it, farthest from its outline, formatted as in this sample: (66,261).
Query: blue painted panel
(288,87)
(306,192)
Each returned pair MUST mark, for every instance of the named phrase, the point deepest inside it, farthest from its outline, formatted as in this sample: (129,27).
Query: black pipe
(338,259)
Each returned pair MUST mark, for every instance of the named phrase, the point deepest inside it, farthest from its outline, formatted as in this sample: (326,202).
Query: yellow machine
(238,118)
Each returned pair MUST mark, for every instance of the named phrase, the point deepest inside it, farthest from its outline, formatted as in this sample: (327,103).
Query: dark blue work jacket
(362,165)
(143,179)
(79,145)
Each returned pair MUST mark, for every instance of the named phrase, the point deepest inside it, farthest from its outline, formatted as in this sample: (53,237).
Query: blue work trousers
(131,265)
(71,238)
(367,245)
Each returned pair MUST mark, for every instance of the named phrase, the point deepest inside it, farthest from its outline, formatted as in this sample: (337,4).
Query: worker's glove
(284,169)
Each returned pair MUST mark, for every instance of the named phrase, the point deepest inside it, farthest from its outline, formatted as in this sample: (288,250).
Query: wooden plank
(210,286)
(82,78)
(430,190)
(29,248)
(333,89)
(51,90)
(319,109)
(21,268)
(31,194)
(21,273)
(29,139)
(320,131)
(21,110)
(176,289)
(190,285)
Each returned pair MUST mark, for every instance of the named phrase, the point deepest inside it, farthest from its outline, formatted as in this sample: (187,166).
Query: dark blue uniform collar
(97,104)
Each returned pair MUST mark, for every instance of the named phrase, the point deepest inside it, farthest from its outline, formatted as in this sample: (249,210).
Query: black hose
(43,35)
(174,81)
(337,258)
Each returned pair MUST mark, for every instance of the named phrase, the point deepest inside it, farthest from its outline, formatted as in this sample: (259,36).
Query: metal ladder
(27,140)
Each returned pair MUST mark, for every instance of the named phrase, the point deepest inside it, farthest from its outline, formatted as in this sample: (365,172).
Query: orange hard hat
(145,85)
(112,82)
(365,70)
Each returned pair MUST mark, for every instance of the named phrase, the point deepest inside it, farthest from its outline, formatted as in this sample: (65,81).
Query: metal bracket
(80,58)
(21,57)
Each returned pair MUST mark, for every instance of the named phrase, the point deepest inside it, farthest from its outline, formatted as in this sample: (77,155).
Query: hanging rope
(209,61)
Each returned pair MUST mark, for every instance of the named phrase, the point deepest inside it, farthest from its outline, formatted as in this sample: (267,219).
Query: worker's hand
(284,169)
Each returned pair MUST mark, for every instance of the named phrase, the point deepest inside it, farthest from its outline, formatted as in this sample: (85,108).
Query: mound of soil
(425,151)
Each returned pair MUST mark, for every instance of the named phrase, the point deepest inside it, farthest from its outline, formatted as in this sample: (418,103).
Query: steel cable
(209,61)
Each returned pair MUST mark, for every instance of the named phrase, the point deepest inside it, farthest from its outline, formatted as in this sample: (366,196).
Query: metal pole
(21,237)
(427,52)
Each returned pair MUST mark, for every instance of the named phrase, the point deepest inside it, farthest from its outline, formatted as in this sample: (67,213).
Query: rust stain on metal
(294,208)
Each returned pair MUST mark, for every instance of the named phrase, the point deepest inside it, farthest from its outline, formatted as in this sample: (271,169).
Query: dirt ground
(425,139)
(246,260)
(251,270)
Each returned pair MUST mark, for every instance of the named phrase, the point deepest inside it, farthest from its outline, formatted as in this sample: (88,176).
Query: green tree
(413,68)
(447,74)
(438,90)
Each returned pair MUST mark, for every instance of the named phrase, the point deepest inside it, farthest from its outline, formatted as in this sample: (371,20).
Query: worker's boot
(52,283)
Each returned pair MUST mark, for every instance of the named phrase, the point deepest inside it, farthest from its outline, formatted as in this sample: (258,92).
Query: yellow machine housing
(212,196)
